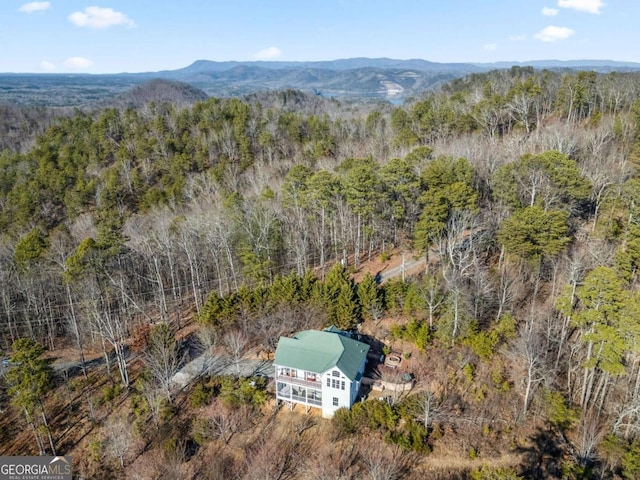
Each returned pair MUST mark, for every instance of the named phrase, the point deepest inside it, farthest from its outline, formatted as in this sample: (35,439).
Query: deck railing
(287,394)
(299,381)
(310,401)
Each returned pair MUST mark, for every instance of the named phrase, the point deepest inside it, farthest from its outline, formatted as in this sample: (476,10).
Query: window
(335,401)
(343,385)
(335,373)
(284,390)
(299,393)
(335,383)
(328,382)
(315,396)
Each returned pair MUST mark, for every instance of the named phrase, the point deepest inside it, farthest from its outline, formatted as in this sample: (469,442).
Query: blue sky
(112,36)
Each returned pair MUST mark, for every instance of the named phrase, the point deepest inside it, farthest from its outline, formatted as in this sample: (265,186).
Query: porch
(298,394)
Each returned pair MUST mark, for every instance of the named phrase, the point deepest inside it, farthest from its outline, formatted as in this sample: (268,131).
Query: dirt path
(410,266)
(391,266)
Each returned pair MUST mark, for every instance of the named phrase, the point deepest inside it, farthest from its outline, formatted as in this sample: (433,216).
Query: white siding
(355,386)
(298,386)
(330,392)
(286,377)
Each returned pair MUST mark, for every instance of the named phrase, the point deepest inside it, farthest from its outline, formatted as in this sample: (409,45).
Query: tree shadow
(544,456)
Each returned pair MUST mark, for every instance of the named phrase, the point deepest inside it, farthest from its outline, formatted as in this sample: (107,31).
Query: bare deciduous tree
(527,354)
(384,462)
(153,395)
(275,457)
(591,431)
(119,437)
(332,462)
(162,357)
(223,422)
(111,329)
(235,341)
(429,405)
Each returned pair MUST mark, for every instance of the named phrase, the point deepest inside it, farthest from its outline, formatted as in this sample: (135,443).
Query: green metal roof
(318,351)
(333,329)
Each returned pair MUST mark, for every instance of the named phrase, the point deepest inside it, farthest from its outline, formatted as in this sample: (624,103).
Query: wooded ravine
(135,238)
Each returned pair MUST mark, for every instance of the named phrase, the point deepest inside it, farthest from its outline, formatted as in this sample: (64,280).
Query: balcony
(284,391)
(299,381)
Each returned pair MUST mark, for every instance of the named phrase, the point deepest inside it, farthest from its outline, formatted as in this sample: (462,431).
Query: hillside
(485,234)
(159,91)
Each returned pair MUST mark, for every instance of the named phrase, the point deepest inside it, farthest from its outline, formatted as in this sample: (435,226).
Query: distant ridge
(358,78)
(353,77)
(600,65)
(382,78)
(200,66)
(206,66)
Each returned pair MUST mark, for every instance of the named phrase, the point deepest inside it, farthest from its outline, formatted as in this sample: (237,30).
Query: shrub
(167,410)
(201,395)
(342,423)
(109,393)
(473,453)
(499,381)
(558,412)
(139,406)
(414,331)
(201,431)
(413,437)
(482,345)
(631,462)
(469,372)
(246,391)
(485,344)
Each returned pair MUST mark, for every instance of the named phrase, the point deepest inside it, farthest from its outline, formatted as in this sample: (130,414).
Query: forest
(134,237)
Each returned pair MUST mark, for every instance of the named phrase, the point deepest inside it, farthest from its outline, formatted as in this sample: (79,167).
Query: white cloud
(518,38)
(47,66)
(490,47)
(98,17)
(550,12)
(268,53)
(590,6)
(553,33)
(34,7)
(79,63)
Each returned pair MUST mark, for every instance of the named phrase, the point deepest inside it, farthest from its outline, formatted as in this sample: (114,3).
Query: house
(320,369)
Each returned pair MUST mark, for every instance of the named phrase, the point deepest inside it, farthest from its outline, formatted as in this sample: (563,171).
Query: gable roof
(318,351)
(334,329)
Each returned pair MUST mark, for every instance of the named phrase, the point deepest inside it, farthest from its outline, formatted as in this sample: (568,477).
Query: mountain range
(378,78)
